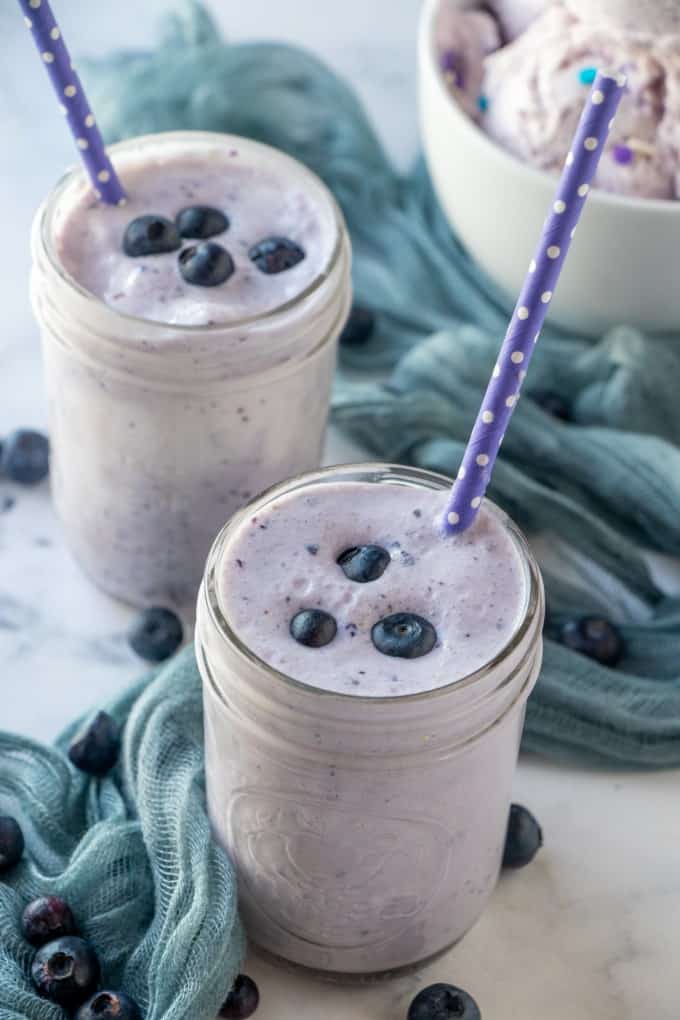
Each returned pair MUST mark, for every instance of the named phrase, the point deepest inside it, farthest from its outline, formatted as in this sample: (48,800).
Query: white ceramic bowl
(624,265)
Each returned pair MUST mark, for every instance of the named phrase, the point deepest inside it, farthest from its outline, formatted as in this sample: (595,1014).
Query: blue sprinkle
(587,75)
(483,103)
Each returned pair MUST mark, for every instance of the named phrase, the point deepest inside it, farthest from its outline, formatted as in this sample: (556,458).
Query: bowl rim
(428,53)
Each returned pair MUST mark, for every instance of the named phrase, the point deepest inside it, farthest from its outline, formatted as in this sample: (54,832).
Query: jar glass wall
(159,432)
(367,832)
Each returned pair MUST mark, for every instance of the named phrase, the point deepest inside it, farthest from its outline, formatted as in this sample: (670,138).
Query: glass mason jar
(367,833)
(159,432)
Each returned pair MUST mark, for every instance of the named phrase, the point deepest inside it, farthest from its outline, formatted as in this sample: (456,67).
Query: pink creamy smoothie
(470,588)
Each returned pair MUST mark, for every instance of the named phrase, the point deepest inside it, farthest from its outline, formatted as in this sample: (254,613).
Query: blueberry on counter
(11,843)
(206,265)
(201,222)
(524,838)
(156,634)
(276,255)
(358,328)
(404,636)
(242,1001)
(25,457)
(364,563)
(109,1006)
(313,628)
(96,748)
(443,1002)
(595,637)
(66,971)
(46,919)
(151,235)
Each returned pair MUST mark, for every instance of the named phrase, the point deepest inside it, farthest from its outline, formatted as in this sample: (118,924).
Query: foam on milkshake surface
(472,588)
(262,192)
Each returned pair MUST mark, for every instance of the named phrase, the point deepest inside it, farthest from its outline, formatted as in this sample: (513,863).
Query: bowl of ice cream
(501,90)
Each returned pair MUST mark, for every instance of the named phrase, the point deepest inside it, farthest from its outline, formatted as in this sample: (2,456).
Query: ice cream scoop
(640,17)
(464,38)
(515,16)
(534,90)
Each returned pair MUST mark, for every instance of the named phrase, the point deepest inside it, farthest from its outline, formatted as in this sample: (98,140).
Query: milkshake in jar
(189,341)
(365,681)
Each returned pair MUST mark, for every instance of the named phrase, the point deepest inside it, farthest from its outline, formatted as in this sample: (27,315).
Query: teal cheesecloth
(133,852)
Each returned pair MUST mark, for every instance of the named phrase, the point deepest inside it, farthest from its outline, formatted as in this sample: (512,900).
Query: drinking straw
(533,303)
(73,101)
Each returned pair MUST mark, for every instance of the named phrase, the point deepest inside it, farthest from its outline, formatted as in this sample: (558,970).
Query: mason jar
(367,832)
(159,432)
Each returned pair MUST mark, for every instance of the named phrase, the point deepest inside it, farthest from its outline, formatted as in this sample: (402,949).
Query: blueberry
(156,634)
(151,235)
(206,265)
(594,637)
(242,1001)
(443,1002)
(96,748)
(276,255)
(66,971)
(313,628)
(364,563)
(109,1006)
(523,839)
(201,222)
(404,635)
(47,919)
(11,843)
(25,457)
(552,403)
(358,328)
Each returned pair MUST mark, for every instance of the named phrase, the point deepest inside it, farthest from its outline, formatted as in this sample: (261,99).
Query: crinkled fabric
(132,854)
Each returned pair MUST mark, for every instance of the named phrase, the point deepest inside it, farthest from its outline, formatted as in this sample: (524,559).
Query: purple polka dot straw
(66,83)
(532,306)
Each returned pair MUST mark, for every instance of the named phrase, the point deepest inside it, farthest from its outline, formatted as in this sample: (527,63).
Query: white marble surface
(592,930)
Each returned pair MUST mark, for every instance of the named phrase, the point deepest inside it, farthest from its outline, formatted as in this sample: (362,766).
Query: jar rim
(374,472)
(77,172)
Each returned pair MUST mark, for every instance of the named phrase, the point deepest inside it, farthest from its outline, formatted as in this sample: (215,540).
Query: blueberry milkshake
(189,341)
(196,243)
(365,679)
(347,588)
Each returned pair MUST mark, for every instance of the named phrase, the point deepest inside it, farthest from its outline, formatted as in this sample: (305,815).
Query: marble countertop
(591,931)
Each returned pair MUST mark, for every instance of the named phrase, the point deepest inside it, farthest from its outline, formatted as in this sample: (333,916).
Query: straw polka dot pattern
(533,303)
(49,42)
